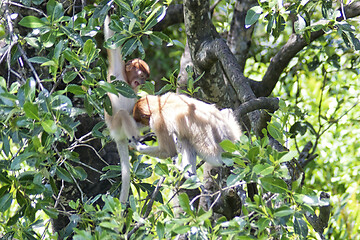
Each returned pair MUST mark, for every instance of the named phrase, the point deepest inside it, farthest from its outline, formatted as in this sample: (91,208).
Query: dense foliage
(53,75)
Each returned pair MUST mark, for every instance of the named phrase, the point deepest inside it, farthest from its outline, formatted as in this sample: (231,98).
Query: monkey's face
(136,77)
(137,71)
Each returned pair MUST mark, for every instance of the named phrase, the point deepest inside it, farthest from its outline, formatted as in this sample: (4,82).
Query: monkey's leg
(188,156)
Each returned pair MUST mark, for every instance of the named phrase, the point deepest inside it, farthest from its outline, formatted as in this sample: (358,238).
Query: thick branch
(287,52)
(199,30)
(270,104)
(239,37)
(174,15)
(319,223)
(207,50)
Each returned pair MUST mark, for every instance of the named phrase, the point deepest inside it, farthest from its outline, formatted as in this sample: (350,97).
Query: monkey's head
(137,71)
(141,111)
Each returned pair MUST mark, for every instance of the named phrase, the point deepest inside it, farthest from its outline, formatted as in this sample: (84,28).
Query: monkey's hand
(136,144)
(147,137)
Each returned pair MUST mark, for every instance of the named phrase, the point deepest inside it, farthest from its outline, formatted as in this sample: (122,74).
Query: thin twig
(89,146)
(12,40)
(18,76)
(58,197)
(31,67)
(77,185)
(31,8)
(149,207)
(153,196)
(214,193)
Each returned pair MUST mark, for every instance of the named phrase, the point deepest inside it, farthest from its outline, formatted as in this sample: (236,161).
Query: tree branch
(287,52)
(239,37)
(174,15)
(271,104)
(319,223)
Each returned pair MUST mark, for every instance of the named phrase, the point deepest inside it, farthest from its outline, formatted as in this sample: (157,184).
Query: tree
(267,60)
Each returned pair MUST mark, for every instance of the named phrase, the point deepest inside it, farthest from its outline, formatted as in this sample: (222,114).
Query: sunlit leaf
(31,22)
(252,16)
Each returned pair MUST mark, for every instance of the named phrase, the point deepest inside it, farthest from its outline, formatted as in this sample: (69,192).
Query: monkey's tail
(122,147)
(116,63)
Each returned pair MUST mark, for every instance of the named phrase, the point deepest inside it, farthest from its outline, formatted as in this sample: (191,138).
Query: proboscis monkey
(186,125)
(121,123)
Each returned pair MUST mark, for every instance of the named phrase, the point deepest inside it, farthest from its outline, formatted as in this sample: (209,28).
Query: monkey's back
(200,123)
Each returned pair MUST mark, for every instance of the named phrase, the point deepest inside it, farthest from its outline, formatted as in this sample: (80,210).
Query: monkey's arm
(147,137)
(157,151)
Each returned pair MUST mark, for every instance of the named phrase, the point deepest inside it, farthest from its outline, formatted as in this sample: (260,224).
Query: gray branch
(320,222)
(287,52)
(270,104)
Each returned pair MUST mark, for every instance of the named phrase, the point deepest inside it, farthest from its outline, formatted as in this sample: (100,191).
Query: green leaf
(234,178)
(156,16)
(300,227)
(167,209)
(181,229)
(58,50)
(298,127)
(271,20)
(284,211)
(31,22)
(263,223)
(4,178)
(69,76)
(275,185)
(132,24)
(205,216)
(123,5)
(253,153)
(161,169)
(355,42)
(129,47)
(124,89)
(192,182)
(263,169)
(162,36)
(89,49)
(15,164)
(148,87)
(49,126)
(75,89)
(51,212)
(185,204)
(116,41)
(252,16)
(275,132)
(54,10)
(38,60)
(160,230)
(78,172)
(228,146)
(6,144)
(31,111)
(96,130)
(108,87)
(14,219)
(5,202)
(288,157)
(63,174)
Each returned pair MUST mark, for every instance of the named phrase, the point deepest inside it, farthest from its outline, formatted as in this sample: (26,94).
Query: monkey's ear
(129,66)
